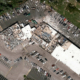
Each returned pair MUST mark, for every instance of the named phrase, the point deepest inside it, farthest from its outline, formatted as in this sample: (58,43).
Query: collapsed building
(15,35)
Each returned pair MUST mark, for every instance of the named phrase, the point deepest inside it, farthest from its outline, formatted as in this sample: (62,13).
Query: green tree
(24,76)
(71,8)
(78,1)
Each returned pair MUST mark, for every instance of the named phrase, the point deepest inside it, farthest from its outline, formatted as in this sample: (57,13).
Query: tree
(24,76)
(71,8)
(78,1)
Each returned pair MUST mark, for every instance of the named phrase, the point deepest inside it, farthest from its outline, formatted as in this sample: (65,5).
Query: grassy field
(60,7)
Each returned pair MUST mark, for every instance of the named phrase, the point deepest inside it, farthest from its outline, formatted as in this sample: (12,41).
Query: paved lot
(22,67)
(36,13)
(72,33)
(17,70)
(39,13)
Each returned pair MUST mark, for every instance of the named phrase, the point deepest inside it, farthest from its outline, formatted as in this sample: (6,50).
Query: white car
(27,6)
(70,79)
(36,54)
(61,72)
(15,61)
(39,58)
(38,10)
(8,61)
(45,73)
(27,59)
(44,62)
(64,76)
(27,20)
(28,10)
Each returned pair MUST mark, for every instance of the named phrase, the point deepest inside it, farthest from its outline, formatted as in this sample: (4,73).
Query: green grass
(60,7)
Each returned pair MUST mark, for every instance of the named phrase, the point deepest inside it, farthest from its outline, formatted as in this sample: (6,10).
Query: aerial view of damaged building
(47,38)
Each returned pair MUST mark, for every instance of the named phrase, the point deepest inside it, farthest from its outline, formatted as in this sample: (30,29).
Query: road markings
(8,71)
(24,48)
(28,72)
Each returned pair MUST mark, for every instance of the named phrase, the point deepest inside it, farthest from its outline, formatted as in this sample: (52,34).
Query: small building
(70,57)
(27,32)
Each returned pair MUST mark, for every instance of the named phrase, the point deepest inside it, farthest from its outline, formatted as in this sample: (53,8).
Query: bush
(24,76)
(71,8)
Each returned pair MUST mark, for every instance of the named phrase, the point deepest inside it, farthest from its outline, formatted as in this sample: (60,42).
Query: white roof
(53,31)
(66,57)
(22,24)
(33,29)
(27,32)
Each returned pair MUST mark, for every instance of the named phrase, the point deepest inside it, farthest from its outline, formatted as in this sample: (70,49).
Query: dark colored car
(41,60)
(26,14)
(45,59)
(57,73)
(49,75)
(25,58)
(37,57)
(6,59)
(53,65)
(61,70)
(54,71)
(68,77)
(20,58)
(24,7)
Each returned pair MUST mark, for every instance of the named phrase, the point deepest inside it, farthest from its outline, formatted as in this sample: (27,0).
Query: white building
(27,32)
(70,57)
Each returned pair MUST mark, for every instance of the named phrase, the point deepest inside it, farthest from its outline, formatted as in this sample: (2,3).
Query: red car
(53,65)
(57,69)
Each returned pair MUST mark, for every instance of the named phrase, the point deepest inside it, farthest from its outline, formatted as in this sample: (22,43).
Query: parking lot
(63,26)
(18,61)
(22,63)
(18,14)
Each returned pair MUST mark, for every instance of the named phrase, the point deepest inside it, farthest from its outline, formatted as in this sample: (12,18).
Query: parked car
(41,60)
(63,76)
(70,79)
(61,72)
(53,66)
(36,54)
(54,70)
(24,7)
(15,61)
(5,58)
(45,59)
(45,73)
(20,58)
(57,69)
(25,58)
(27,6)
(57,73)
(48,74)
(33,8)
